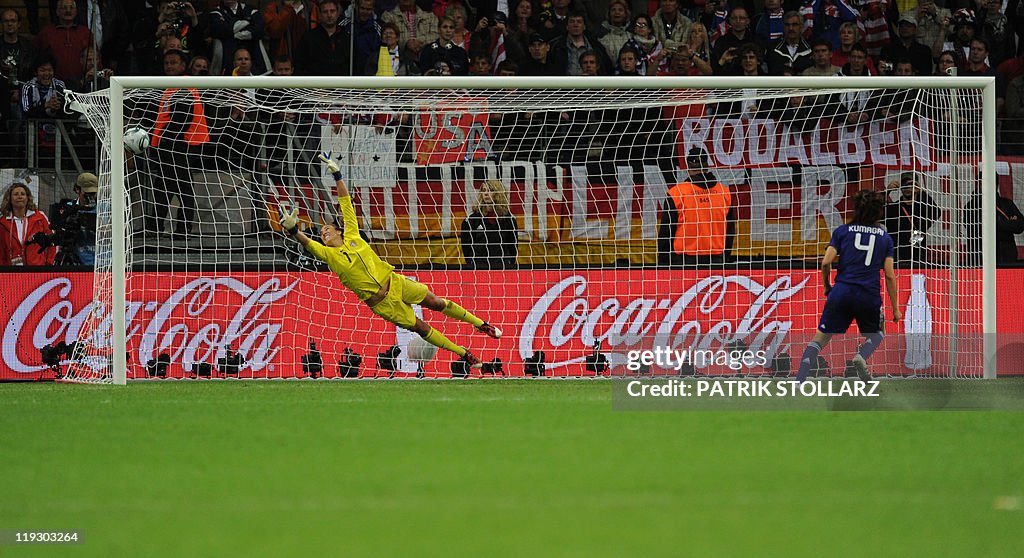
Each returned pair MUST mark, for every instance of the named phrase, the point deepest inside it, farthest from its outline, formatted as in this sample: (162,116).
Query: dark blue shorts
(844,305)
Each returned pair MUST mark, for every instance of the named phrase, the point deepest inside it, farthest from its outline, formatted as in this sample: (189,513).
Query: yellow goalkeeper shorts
(396,306)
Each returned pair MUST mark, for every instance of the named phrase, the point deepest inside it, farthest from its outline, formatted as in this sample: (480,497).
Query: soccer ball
(136,140)
(419,351)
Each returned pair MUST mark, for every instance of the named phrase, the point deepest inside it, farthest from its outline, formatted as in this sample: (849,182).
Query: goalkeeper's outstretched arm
(290,223)
(332,166)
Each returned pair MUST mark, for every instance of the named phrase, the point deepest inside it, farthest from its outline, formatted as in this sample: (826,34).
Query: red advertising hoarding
(270,319)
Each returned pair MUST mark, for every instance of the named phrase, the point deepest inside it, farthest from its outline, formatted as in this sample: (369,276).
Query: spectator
(590,65)
(909,218)
(1009,223)
(975,64)
(20,221)
(670,26)
(186,24)
(279,122)
(964,30)
(698,220)
(997,30)
(614,31)
(895,105)
(440,8)
(875,24)
(906,46)
(367,35)
(417,27)
(698,47)
(444,50)
(628,62)
(723,55)
(199,66)
(932,22)
(854,109)
(577,40)
(480,65)
(172,26)
(714,18)
(680,64)
(389,34)
(241,63)
(821,55)
(324,51)
(174,63)
(824,19)
(946,64)
(485,41)
(791,54)
(43,95)
(767,25)
(540,63)
(553,20)
(16,52)
(653,56)
(286,22)
(65,39)
(507,68)
(489,233)
(96,77)
(1013,126)
(748,108)
(237,25)
(461,36)
(849,35)
(522,25)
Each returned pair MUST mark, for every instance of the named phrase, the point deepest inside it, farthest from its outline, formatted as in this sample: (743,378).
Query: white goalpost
(587,274)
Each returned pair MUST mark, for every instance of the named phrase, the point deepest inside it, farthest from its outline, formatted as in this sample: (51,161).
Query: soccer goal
(540,206)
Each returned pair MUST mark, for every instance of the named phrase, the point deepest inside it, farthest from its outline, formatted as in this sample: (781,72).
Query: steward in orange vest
(698,220)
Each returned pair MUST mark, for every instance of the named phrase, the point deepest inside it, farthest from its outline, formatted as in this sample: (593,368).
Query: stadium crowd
(88,41)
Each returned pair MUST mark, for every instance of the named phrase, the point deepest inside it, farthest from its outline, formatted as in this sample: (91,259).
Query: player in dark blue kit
(863,248)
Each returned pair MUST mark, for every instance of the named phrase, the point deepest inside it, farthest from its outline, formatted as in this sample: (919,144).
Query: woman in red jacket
(20,220)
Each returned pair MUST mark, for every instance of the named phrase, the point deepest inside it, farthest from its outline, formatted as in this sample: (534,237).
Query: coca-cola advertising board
(271,318)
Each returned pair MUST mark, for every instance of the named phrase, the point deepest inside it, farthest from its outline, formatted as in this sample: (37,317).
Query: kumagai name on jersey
(862,252)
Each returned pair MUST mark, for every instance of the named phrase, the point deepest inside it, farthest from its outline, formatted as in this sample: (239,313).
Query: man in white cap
(86,186)
(906,46)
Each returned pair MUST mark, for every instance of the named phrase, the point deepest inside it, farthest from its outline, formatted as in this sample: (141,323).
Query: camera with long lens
(68,228)
(9,66)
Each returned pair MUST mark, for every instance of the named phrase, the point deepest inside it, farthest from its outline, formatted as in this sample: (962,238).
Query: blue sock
(869,346)
(809,359)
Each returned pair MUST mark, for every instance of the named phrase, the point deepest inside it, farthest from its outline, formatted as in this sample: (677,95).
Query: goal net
(539,208)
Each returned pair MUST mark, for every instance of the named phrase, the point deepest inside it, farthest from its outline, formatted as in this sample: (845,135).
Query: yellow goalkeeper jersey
(356,264)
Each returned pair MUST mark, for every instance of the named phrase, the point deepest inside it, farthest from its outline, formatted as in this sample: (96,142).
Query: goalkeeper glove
(239,25)
(289,219)
(332,165)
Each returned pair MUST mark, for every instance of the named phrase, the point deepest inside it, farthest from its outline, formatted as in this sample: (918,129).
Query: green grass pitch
(493,468)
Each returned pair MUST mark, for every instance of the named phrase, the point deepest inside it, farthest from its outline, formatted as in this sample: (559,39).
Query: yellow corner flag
(384,63)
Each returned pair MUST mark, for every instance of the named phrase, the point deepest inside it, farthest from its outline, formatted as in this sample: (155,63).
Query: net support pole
(988,228)
(117,234)
(954,191)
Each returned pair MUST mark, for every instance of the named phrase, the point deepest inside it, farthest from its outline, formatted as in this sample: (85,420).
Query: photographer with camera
(21,222)
(74,223)
(908,218)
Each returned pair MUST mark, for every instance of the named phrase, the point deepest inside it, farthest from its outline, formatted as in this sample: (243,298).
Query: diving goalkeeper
(388,294)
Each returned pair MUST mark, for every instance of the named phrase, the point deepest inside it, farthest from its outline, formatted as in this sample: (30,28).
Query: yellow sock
(453,310)
(437,339)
